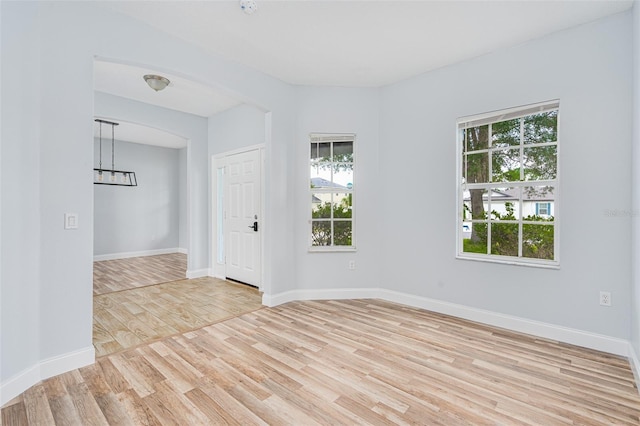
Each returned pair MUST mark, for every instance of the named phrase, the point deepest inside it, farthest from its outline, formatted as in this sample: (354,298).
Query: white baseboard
(197,273)
(218,271)
(537,328)
(50,367)
(126,255)
(635,364)
(19,383)
(333,294)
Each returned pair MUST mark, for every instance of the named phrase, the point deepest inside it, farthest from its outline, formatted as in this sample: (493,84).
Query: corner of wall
(634,362)
(50,367)
(197,273)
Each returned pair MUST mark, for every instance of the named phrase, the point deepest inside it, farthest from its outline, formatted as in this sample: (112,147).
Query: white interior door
(243,226)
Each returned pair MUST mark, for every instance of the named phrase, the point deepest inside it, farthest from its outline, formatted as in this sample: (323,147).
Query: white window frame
(332,137)
(496,117)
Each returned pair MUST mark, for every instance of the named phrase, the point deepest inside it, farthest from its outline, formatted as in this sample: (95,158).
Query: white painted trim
(329,294)
(634,362)
(182,250)
(238,151)
(19,383)
(536,328)
(50,367)
(218,270)
(61,364)
(198,273)
(523,325)
(126,255)
(215,273)
(263,202)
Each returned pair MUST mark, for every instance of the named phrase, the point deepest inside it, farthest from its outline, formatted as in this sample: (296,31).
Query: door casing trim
(218,270)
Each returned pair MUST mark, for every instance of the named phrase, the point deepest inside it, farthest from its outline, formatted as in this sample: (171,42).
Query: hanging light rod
(112,123)
(114,177)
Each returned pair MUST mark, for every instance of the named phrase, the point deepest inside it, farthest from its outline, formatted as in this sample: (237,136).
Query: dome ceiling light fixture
(248,6)
(156,82)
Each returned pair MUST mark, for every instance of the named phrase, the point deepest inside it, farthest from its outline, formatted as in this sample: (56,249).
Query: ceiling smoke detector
(156,82)
(248,6)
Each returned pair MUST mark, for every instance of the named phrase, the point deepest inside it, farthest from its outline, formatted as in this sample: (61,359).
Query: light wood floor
(129,318)
(134,272)
(340,362)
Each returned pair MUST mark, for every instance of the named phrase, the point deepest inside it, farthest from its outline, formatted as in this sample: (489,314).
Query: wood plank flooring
(340,362)
(134,272)
(129,318)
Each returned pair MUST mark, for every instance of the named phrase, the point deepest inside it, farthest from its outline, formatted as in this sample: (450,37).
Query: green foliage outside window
(510,154)
(537,239)
(332,173)
(342,229)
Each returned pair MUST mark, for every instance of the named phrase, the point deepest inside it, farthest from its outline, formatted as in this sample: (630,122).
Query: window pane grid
(508,148)
(522,184)
(490,160)
(518,152)
(332,167)
(532,149)
(522,175)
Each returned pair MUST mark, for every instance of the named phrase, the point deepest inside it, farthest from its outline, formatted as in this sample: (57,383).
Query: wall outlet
(352,265)
(71,221)
(605,298)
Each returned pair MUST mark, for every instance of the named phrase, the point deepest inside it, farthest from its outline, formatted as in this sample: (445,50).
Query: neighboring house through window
(508,185)
(543,209)
(332,192)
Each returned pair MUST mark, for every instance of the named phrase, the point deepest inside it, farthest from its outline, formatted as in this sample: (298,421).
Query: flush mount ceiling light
(112,176)
(248,6)
(156,82)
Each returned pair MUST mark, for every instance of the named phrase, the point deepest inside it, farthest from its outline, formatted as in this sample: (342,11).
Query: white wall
(339,110)
(183,238)
(589,69)
(194,129)
(236,128)
(138,218)
(48,49)
(635,195)
(20,193)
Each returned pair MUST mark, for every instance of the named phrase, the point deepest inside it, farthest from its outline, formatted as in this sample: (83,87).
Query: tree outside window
(509,168)
(331,191)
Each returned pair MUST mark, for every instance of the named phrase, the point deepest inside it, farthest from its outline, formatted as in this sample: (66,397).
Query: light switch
(71,221)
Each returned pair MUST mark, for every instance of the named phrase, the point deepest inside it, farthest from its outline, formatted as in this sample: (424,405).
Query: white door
(242,218)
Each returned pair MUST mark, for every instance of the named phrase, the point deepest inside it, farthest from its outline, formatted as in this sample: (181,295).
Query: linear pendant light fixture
(112,176)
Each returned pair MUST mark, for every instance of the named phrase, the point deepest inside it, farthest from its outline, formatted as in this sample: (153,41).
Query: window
(543,209)
(507,189)
(332,192)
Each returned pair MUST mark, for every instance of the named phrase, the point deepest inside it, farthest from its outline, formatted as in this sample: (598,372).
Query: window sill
(334,249)
(509,261)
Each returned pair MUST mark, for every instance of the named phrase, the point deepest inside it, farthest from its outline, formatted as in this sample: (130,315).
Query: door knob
(254,226)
